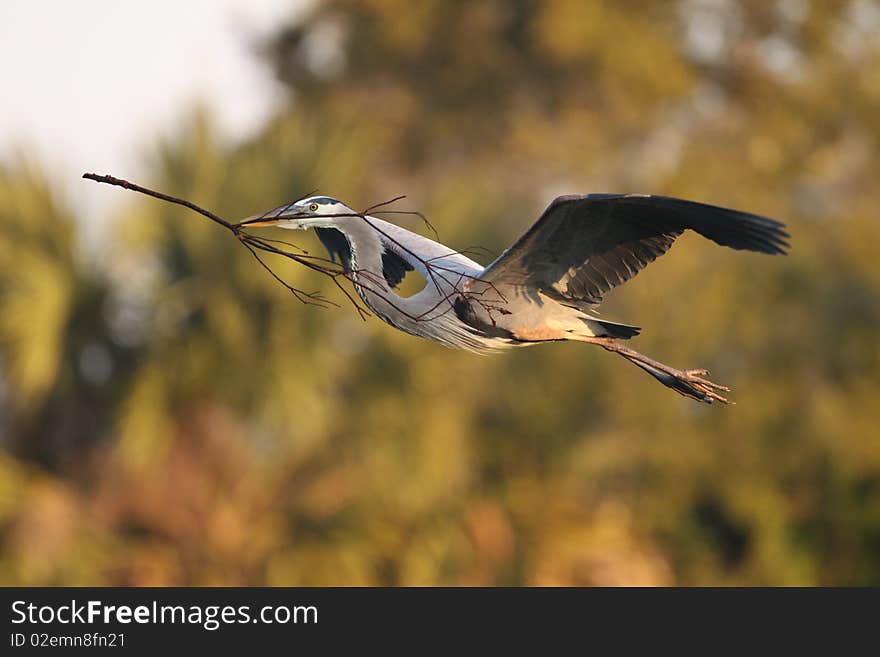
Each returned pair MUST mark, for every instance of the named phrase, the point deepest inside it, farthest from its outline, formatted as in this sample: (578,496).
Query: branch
(250,242)
(366,281)
(110,180)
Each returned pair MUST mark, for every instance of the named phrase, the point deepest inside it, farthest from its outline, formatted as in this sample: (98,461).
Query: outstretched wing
(583,246)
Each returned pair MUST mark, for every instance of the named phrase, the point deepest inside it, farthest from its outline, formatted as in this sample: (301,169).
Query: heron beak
(258,220)
(285,216)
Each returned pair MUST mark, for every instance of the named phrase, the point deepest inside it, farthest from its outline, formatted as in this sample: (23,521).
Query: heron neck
(365,263)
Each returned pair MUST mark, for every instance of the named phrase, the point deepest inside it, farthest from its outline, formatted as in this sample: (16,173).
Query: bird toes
(710,389)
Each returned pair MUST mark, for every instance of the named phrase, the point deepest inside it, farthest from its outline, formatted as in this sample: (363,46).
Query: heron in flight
(544,288)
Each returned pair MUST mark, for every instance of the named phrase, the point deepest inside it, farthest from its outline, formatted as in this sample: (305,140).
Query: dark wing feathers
(336,244)
(732,228)
(583,246)
(394,268)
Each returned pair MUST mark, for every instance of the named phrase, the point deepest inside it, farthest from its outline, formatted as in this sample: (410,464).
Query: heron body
(545,287)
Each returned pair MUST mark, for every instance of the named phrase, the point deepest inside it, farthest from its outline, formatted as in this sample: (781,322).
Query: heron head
(312,212)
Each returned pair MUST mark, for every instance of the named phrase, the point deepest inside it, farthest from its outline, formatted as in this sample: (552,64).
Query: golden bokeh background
(170,415)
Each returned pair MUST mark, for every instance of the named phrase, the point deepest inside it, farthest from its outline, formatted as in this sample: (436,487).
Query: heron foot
(696,379)
(690,383)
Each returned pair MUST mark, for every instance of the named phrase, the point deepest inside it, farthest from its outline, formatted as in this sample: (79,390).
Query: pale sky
(89,84)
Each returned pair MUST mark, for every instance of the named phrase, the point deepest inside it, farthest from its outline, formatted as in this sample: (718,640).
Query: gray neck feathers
(360,249)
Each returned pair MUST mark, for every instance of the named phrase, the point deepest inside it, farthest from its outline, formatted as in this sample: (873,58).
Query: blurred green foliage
(170,415)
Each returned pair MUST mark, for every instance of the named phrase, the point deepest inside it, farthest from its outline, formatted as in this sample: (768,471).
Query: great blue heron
(543,288)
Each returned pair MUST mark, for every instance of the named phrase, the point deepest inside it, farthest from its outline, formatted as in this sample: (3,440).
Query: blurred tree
(200,426)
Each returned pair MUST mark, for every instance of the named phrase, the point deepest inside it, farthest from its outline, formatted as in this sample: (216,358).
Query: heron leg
(690,383)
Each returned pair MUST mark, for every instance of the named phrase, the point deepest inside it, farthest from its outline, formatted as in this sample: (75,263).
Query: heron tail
(605,329)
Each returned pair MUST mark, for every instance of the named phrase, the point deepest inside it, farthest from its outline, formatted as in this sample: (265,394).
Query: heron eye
(313,207)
